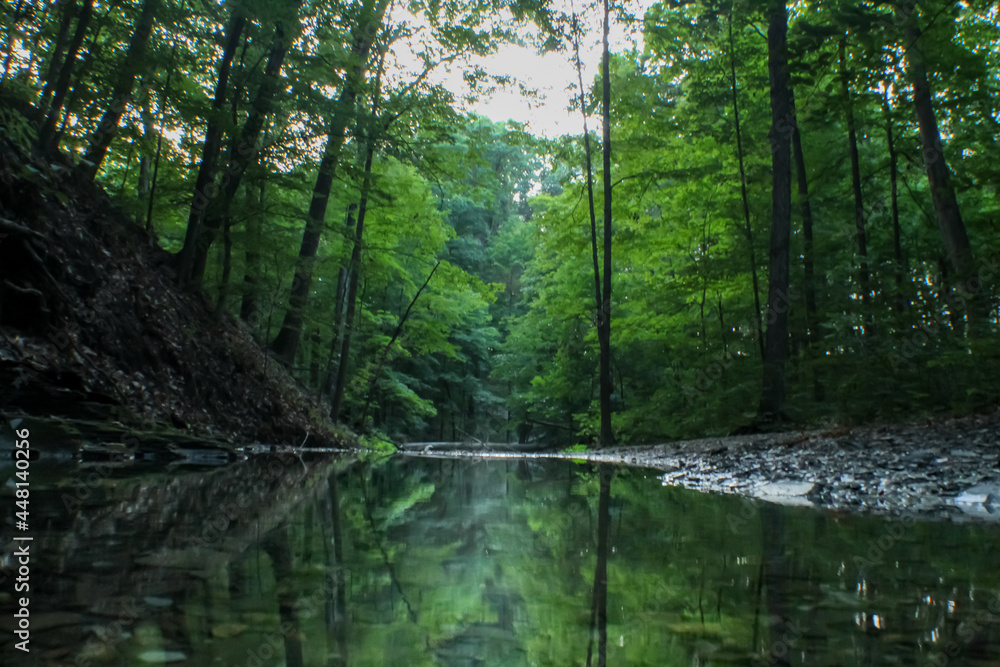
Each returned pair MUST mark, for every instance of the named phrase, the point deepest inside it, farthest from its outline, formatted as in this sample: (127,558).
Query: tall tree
(743,185)
(134,62)
(61,85)
(244,147)
(63,12)
(251,260)
(604,315)
(370,15)
(776,338)
(204,185)
(852,143)
(808,254)
(899,264)
(949,218)
(589,175)
(369,137)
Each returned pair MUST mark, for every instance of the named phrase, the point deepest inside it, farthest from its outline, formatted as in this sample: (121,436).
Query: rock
(785,492)
(162,656)
(985,494)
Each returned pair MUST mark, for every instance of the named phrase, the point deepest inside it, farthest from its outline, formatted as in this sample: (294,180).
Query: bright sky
(555,78)
(552,75)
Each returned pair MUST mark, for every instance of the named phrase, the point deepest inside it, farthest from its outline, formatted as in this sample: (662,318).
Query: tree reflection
(599,606)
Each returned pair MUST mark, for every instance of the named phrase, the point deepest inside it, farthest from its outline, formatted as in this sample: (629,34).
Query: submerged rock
(784,492)
(986,495)
(159,656)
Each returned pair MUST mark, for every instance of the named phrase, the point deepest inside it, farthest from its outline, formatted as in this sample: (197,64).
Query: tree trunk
(355,271)
(204,185)
(897,240)
(244,150)
(776,338)
(86,64)
(949,218)
(808,255)
(859,211)
(385,351)
(813,330)
(159,138)
(56,57)
(722,328)
(47,133)
(587,153)
(314,355)
(251,261)
(122,91)
(227,266)
(148,130)
(604,315)
(363,35)
(340,305)
(598,299)
(743,190)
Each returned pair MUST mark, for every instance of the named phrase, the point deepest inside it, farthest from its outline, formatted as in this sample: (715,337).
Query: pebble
(916,470)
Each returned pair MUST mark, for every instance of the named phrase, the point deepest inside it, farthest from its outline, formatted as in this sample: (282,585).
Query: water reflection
(286,561)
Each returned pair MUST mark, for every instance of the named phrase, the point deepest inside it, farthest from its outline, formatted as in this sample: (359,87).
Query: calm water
(284,561)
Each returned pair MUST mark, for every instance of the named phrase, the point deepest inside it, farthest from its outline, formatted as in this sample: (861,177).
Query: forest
(771,214)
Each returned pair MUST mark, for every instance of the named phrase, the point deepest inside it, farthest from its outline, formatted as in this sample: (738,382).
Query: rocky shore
(948,468)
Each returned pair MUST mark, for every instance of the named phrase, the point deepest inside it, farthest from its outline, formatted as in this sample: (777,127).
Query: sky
(552,75)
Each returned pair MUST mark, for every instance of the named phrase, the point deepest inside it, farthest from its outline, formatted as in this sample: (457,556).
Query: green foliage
(16,129)
(376,444)
(501,344)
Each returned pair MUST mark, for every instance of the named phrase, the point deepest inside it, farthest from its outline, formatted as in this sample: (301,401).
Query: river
(399,561)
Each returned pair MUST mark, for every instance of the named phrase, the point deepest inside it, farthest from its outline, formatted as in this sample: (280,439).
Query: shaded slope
(91,325)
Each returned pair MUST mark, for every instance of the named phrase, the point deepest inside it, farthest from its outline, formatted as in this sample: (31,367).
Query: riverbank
(92,326)
(948,468)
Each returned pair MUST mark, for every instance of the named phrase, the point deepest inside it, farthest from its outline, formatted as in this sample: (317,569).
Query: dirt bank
(92,327)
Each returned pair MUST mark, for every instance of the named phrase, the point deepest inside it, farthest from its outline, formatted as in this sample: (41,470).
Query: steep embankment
(91,325)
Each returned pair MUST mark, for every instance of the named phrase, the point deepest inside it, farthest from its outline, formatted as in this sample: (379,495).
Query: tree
(60,87)
(946,211)
(604,316)
(602,299)
(852,143)
(244,147)
(134,62)
(776,338)
(369,17)
(368,134)
(743,184)
(204,185)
